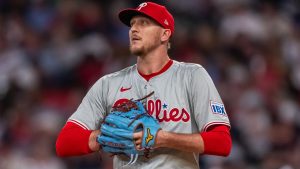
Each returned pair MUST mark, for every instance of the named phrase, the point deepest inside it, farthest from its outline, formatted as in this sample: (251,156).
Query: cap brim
(127,14)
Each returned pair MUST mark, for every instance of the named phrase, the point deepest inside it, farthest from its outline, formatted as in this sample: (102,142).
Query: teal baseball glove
(118,128)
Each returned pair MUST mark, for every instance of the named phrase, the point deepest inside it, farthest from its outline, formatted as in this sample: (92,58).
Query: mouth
(135,38)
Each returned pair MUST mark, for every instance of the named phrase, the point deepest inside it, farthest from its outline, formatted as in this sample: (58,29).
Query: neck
(152,62)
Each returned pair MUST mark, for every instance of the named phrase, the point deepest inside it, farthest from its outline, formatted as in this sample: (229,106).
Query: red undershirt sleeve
(217,140)
(73,140)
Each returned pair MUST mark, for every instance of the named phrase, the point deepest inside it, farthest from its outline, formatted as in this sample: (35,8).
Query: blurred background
(51,52)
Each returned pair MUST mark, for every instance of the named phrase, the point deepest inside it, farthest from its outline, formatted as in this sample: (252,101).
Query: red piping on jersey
(165,68)
(79,124)
(215,123)
(217,140)
(73,140)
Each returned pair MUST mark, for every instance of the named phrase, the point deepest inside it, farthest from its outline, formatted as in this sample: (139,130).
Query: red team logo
(158,110)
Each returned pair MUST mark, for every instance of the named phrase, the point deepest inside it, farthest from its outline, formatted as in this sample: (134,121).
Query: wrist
(93,144)
(160,139)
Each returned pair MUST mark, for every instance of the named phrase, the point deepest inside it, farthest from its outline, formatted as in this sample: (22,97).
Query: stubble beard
(146,48)
(137,51)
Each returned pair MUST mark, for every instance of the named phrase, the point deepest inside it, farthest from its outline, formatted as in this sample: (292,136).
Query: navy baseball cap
(155,11)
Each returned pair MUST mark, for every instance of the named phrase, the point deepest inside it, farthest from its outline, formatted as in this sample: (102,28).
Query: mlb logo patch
(218,108)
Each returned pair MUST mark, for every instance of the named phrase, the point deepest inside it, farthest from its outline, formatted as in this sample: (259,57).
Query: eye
(144,22)
(131,23)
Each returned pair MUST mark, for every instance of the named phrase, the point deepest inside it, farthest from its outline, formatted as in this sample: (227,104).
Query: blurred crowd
(51,52)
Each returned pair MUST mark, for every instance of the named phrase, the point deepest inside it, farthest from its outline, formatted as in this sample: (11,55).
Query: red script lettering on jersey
(154,108)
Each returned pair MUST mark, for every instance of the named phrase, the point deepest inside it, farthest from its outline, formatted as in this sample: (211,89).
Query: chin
(136,51)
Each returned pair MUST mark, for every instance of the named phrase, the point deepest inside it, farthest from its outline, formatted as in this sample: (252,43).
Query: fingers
(138,144)
(139,141)
(138,147)
(137,137)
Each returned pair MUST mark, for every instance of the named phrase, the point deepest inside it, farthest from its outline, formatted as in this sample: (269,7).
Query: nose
(133,28)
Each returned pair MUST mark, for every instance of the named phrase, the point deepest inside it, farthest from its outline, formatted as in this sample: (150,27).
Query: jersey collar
(165,68)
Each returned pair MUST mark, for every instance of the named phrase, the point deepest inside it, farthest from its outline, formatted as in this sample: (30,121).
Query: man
(185,101)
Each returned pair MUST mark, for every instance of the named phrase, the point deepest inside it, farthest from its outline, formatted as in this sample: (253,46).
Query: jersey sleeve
(207,104)
(92,109)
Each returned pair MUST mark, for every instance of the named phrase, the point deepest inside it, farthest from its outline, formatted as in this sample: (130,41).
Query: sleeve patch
(218,108)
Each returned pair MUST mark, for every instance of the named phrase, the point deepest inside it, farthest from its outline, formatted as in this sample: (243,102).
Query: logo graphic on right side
(218,108)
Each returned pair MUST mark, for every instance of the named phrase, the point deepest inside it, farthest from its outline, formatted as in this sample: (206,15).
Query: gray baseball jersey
(185,100)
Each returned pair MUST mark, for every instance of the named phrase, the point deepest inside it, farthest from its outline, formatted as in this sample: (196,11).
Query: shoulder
(115,77)
(192,72)
(189,68)
(186,65)
(119,74)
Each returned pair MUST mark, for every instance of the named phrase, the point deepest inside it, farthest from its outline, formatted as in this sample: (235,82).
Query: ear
(166,34)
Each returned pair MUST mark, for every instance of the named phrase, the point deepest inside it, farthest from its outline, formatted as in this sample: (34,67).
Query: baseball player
(184,101)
